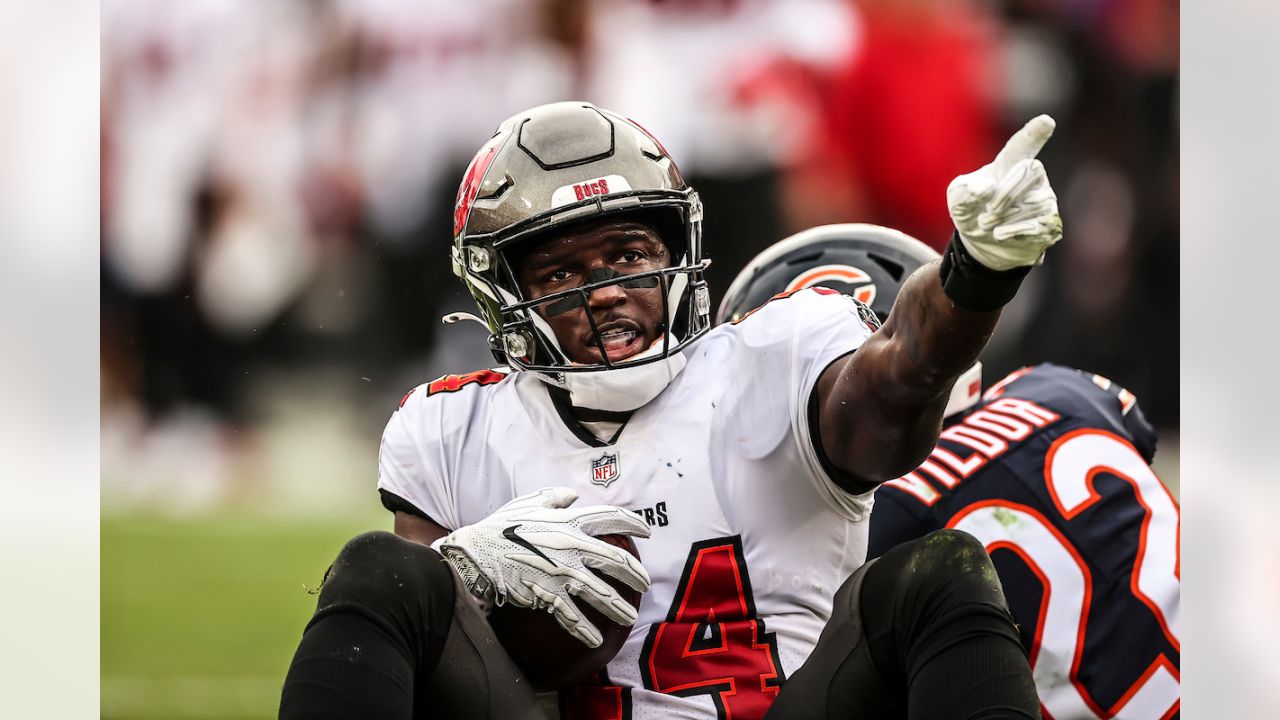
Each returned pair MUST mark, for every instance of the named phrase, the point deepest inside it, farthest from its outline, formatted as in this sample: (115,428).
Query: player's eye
(630,256)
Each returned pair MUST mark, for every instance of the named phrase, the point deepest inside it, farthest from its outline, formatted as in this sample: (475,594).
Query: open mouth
(620,342)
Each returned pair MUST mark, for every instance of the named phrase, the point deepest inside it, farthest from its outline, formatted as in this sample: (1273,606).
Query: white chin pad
(623,389)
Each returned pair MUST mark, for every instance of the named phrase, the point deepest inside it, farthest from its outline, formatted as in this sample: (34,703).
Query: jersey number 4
(712,643)
(1069,471)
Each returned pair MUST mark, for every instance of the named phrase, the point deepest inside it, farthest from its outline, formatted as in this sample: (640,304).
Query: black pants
(391,638)
(922,632)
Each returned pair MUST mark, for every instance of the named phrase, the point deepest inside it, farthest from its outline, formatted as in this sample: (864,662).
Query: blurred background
(276,187)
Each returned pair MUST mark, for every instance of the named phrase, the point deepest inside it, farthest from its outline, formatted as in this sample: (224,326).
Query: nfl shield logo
(604,470)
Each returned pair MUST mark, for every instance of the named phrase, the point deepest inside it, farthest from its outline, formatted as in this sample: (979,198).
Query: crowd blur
(278,179)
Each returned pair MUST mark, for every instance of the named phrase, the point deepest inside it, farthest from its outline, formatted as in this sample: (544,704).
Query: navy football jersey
(1051,471)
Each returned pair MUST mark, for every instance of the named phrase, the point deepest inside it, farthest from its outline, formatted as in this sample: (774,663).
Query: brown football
(552,658)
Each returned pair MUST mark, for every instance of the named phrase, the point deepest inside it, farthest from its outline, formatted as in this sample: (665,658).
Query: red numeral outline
(736,663)
(1071,464)
(1005,525)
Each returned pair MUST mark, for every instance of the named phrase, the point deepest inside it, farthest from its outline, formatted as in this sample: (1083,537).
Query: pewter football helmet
(564,163)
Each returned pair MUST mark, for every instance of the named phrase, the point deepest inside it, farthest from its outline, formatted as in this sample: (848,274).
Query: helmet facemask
(674,287)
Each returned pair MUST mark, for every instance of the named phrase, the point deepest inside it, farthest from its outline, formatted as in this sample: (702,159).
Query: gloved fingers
(1025,194)
(568,568)
(559,538)
(611,520)
(592,519)
(610,603)
(580,628)
(626,570)
(1043,230)
(556,497)
(542,563)
(968,194)
(586,585)
(517,595)
(568,616)
(1010,232)
(531,500)
(1013,191)
(548,497)
(593,552)
(1024,144)
(1025,213)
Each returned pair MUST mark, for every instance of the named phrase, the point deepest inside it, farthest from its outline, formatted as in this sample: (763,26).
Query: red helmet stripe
(470,186)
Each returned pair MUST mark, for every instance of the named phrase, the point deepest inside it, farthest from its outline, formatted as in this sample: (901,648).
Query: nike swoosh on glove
(537,552)
(1006,213)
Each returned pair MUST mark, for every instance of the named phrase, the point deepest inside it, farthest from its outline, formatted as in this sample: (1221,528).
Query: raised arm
(880,408)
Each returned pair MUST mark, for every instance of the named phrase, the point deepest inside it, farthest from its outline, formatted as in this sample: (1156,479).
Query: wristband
(974,286)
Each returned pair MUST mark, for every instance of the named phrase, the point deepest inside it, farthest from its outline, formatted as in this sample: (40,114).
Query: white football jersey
(750,537)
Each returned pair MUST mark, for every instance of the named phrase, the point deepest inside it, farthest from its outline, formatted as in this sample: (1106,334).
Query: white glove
(1006,212)
(537,552)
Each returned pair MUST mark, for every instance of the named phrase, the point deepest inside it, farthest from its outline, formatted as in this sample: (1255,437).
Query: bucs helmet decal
(470,187)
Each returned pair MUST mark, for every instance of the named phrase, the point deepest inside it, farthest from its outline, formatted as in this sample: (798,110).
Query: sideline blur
(277,180)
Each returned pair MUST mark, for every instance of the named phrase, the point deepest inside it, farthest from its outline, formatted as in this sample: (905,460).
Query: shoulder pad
(783,296)
(1091,397)
(448,399)
(454,383)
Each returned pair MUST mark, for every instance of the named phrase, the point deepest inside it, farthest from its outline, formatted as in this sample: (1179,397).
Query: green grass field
(200,617)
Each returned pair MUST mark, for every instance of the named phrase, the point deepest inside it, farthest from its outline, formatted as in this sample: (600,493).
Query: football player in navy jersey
(1050,469)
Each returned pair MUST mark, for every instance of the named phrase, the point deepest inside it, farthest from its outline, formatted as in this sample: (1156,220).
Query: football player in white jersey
(746,458)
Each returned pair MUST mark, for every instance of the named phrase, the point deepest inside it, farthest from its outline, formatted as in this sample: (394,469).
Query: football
(547,655)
